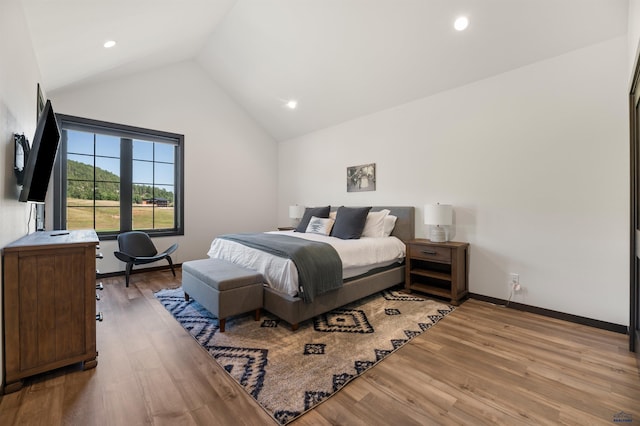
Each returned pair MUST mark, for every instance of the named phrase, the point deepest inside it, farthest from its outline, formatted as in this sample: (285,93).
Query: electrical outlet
(514,282)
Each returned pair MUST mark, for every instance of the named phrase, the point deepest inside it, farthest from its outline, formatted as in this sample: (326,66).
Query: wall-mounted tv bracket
(20,156)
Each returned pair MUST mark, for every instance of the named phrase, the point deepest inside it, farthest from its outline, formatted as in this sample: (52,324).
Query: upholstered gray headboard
(405,228)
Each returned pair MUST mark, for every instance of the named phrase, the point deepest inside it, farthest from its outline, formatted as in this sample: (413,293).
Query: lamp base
(438,235)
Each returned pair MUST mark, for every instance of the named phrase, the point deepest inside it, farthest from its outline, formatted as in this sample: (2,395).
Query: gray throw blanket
(319,266)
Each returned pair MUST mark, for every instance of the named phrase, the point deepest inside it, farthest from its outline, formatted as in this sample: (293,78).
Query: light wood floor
(481,365)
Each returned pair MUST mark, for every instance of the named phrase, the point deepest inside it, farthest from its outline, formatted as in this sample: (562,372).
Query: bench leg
(186,296)
(294,327)
(222,322)
(257,317)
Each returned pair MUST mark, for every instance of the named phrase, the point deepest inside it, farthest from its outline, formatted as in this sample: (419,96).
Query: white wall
(535,162)
(19,76)
(230,162)
(633,42)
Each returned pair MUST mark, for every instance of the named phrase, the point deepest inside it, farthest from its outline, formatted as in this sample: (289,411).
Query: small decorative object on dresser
(439,269)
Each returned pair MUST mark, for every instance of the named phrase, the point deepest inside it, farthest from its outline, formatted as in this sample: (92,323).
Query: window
(115,178)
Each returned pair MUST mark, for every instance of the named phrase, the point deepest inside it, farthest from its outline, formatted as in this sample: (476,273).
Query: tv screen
(42,155)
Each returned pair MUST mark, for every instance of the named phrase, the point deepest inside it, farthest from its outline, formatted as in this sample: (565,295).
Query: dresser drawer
(430,253)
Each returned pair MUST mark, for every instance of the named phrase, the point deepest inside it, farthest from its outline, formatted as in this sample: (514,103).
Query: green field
(80,216)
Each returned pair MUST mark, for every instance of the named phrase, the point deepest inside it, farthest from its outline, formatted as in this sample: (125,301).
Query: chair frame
(132,259)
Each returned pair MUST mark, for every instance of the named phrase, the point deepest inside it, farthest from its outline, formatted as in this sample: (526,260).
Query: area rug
(289,372)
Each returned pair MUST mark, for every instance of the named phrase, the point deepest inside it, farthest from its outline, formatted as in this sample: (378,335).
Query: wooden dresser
(49,303)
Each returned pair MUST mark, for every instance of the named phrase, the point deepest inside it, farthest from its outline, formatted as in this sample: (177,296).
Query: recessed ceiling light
(292,104)
(461,23)
(109,44)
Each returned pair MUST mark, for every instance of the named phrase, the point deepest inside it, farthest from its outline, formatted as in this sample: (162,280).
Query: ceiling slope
(68,35)
(343,59)
(339,59)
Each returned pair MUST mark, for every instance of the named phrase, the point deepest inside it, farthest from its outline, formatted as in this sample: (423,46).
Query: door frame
(634,209)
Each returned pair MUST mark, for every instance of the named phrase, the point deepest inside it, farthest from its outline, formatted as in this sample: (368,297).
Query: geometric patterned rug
(290,372)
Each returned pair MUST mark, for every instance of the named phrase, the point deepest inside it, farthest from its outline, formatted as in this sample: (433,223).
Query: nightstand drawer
(431,253)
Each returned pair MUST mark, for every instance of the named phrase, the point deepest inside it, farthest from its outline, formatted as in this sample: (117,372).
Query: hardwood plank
(125,403)
(83,398)
(481,365)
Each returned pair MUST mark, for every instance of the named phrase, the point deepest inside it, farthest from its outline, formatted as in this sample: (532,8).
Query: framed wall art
(361,178)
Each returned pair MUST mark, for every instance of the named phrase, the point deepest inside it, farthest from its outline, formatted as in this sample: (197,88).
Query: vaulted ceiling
(339,59)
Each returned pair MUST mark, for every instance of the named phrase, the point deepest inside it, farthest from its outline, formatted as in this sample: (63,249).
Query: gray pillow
(322,212)
(350,222)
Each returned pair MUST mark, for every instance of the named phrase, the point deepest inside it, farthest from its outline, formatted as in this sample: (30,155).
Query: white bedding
(358,257)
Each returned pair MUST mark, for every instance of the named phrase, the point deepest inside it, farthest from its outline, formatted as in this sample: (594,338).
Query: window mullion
(126,188)
(153,186)
(95,184)
(178,189)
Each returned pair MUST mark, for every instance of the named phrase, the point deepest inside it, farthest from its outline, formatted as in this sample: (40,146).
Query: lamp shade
(438,214)
(296,212)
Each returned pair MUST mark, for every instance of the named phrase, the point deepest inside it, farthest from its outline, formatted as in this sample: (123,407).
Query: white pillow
(389,224)
(374,226)
(318,225)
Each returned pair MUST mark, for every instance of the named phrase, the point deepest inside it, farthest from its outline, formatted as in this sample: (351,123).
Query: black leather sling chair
(136,248)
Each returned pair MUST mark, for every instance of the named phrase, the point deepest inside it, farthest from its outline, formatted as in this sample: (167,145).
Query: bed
(282,299)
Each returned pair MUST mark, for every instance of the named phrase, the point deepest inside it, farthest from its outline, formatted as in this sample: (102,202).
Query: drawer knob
(432,253)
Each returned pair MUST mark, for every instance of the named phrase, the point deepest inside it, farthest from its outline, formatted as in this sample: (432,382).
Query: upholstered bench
(223,288)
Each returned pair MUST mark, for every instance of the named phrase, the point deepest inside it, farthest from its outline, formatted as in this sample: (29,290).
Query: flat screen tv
(42,155)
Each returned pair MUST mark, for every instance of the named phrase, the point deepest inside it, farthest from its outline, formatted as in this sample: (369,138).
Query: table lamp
(438,215)
(296,212)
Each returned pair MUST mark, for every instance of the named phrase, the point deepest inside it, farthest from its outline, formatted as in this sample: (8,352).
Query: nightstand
(439,269)
(286,228)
